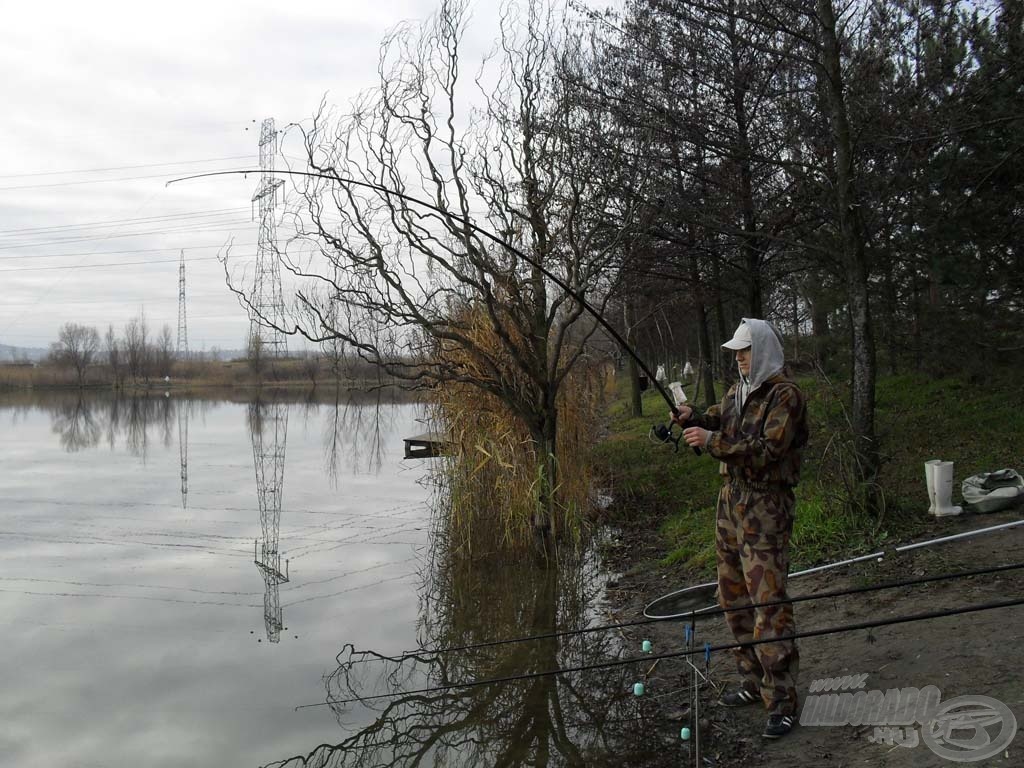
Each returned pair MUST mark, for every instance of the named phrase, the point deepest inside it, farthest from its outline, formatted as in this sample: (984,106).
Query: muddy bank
(974,654)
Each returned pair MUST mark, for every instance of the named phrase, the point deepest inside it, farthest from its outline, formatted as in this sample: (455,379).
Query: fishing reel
(663,434)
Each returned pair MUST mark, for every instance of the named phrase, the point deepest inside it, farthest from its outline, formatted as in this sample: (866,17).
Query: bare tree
(311,366)
(77,346)
(163,351)
(255,356)
(430,244)
(136,347)
(115,357)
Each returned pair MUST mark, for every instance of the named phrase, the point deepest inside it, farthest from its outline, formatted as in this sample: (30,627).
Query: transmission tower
(182,325)
(266,301)
(268,424)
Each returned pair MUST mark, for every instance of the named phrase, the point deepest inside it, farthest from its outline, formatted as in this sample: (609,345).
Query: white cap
(740,339)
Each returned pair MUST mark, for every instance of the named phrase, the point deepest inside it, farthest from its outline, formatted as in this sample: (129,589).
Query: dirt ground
(980,653)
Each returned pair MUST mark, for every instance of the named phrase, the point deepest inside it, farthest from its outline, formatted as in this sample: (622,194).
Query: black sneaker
(741,697)
(778,726)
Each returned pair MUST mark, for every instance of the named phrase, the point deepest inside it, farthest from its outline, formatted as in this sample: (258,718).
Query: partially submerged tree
(455,216)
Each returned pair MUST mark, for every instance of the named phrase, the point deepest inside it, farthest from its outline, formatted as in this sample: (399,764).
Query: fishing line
(677,654)
(480,231)
(715,611)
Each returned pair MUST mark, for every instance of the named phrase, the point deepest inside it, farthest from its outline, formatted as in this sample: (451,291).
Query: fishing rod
(662,432)
(698,589)
(707,649)
(710,611)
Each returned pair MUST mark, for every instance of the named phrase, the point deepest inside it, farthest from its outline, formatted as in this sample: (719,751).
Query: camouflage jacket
(763,442)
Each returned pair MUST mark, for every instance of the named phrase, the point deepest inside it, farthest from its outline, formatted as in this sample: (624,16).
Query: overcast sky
(104,102)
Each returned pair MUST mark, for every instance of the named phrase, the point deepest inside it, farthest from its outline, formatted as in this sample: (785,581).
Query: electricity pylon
(268,423)
(182,324)
(266,302)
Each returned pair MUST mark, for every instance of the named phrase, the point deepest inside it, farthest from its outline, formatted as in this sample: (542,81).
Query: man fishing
(757,432)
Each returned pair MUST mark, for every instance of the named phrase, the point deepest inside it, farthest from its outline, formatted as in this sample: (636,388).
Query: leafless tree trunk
(76,346)
(164,351)
(852,243)
(450,289)
(115,358)
(136,347)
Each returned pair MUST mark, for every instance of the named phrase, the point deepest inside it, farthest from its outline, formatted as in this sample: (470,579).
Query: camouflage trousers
(752,543)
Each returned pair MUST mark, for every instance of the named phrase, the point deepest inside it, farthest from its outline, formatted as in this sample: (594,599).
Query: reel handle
(664,434)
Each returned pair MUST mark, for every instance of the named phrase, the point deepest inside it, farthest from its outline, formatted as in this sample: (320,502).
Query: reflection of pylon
(183,450)
(269,426)
(266,298)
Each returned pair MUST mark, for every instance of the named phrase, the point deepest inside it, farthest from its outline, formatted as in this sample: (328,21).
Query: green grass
(917,419)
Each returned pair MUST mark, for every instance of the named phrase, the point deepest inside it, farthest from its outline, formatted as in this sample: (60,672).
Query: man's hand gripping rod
(663,432)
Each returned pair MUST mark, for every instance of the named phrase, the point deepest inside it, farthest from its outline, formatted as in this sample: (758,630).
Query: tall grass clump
(493,470)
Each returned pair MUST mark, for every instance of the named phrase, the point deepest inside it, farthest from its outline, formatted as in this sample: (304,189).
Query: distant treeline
(136,359)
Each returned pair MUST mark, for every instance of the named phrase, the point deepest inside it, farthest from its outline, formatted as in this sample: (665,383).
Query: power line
(89,181)
(121,222)
(220,226)
(122,167)
(118,264)
(123,300)
(113,253)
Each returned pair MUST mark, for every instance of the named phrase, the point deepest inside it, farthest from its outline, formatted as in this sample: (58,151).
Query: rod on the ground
(709,611)
(684,653)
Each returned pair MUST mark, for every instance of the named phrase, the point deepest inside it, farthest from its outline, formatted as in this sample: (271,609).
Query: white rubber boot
(944,490)
(929,476)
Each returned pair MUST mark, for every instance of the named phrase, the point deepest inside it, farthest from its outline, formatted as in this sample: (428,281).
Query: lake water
(181,580)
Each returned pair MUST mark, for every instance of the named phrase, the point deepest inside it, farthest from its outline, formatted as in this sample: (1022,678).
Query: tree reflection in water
(81,420)
(577,719)
(75,424)
(354,429)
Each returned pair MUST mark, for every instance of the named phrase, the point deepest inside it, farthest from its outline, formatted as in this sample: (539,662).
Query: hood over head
(766,355)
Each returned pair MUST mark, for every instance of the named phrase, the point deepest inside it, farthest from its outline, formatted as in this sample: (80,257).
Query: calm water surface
(179,575)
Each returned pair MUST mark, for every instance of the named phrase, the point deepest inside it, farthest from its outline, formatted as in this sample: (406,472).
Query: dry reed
(493,472)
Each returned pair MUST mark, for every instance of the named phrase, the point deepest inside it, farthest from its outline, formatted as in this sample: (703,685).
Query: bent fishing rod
(686,653)
(662,432)
(696,613)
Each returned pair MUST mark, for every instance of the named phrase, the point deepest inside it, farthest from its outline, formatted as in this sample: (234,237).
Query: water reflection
(183,410)
(142,580)
(81,420)
(354,428)
(268,426)
(76,425)
(582,718)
